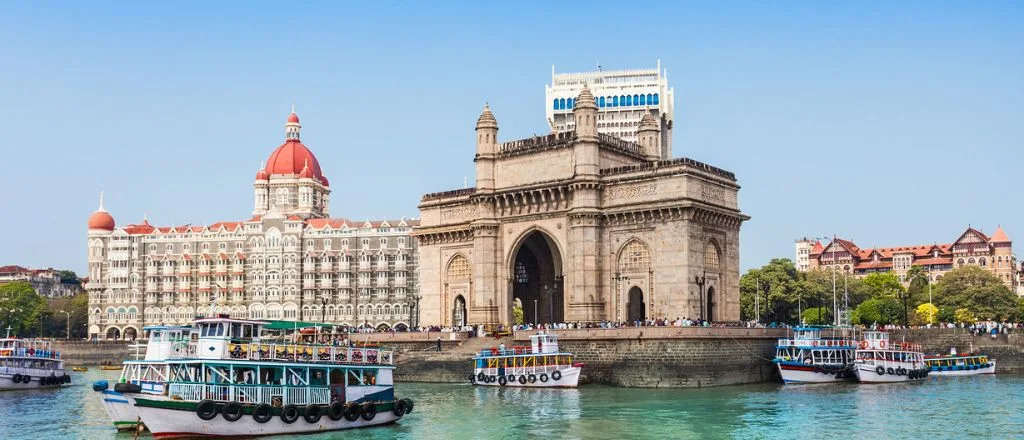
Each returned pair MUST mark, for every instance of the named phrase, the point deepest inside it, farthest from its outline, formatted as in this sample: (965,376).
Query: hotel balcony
(326,267)
(326,284)
(308,284)
(381,266)
(167,271)
(237,268)
(399,282)
(344,282)
(151,270)
(400,265)
(167,285)
(364,282)
(364,266)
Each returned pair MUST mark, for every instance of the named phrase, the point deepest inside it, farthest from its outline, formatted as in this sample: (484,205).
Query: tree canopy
(20,307)
(978,291)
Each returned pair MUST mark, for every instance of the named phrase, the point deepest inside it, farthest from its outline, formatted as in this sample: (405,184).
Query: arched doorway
(636,307)
(113,333)
(537,279)
(711,304)
(459,312)
(130,334)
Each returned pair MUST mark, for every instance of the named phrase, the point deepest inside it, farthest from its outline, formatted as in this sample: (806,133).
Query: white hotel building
(289,261)
(622,96)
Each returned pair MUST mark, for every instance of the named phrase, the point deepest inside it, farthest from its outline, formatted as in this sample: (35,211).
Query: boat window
(355,377)
(220,329)
(247,331)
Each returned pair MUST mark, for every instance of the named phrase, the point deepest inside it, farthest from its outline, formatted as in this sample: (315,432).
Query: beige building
(971,248)
(581,226)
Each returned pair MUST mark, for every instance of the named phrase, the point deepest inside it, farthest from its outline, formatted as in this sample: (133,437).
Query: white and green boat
(239,384)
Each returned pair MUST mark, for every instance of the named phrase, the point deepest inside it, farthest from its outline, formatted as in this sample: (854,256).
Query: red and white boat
(879,360)
(541,365)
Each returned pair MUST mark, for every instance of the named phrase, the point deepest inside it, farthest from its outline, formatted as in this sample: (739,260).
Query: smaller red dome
(323,179)
(293,118)
(101,220)
(306,173)
(262,175)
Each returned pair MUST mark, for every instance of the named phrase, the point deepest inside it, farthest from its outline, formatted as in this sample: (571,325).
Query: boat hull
(807,374)
(570,379)
(867,374)
(121,409)
(991,369)
(7,383)
(180,423)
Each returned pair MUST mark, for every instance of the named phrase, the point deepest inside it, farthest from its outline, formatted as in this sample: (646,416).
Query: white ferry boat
(960,365)
(30,364)
(810,358)
(146,376)
(236,384)
(882,361)
(539,365)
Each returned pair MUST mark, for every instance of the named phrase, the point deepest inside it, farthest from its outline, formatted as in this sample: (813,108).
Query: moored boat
(27,364)
(540,365)
(954,364)
(143,376)
(882,361)
(80,368)
(810,358)
(237,384)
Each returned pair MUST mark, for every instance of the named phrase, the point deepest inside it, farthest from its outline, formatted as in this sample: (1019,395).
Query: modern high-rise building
(623,97)
(290,261)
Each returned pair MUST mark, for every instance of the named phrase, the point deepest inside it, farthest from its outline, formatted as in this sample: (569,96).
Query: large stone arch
(535,268)
(713,270)
(634,269)
(458,282)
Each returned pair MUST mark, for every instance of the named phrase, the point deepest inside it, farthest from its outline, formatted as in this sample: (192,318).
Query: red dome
(290,158)
(293,118)
(306,173)
(101,220)
(323,179)
(262,175)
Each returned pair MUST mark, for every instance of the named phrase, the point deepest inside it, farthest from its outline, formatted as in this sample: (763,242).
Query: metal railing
(818,343)
(270,394)
(298,353)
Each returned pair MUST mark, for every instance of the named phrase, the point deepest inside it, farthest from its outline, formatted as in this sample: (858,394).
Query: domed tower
(291,183)
(486,149)
(101,225)
(648,135)
(585,149)
(101,222)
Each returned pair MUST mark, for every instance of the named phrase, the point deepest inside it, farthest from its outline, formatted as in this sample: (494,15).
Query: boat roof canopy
(292,325)
(225,319)
(167,327)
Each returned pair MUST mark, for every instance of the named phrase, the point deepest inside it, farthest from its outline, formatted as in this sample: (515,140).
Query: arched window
(458,269)
(629,100)
(554,104)
(656,98)
(622,100)
(643,100)
(600,101)
(650,99)
(282,196)
(960,262)
(711,257)
(982,262)
(571,103)
(615,101)
(634,257)
(561,104)
(970,260)
(636,99)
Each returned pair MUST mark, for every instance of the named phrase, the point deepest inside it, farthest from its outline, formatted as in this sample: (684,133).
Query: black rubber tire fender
(408,405)
(880,370)
(399,408)
(352,411)
(532,378)
(290,413)
(26,379)
(369,411)
(544,377)
(232,411)
(312,413)
(16,378)
(890,371)
(480,377)
(262,413)
(522,379)
(336,411)
(502,381)
(206,410)
(556,375)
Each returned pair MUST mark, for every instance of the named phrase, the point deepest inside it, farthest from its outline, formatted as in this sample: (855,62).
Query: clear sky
(885,123)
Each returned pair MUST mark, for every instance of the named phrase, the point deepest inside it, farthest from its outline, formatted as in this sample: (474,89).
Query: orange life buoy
(881,344)
(31,352)
(815,343)
(863,345)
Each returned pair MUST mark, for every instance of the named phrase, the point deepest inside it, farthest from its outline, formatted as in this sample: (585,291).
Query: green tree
(69,277)
(918,288)
(883,285)
(21,308)
(78,308)
(817,316)
(978,291)
(778,288)
(879,311)
(517,314)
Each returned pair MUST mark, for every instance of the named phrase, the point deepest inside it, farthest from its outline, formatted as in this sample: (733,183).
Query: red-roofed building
(971,248)
(46,282)
(278,265)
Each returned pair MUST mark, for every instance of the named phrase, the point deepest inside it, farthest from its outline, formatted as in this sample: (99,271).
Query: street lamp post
(535,311)
(700,281)
(69,322)
(323,308)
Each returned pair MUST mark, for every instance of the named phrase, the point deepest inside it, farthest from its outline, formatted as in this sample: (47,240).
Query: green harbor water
(969,407)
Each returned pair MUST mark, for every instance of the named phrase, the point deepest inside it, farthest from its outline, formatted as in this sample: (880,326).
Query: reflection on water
(978,407)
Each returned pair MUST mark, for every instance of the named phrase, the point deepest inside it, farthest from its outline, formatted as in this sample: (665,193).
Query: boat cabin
(543,344)
(166,342)
(875,340)
(215,335)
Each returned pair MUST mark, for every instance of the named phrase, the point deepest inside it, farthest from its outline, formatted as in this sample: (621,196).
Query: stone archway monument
(566,224)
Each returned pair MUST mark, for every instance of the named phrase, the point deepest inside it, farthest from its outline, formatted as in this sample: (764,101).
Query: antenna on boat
(8,332)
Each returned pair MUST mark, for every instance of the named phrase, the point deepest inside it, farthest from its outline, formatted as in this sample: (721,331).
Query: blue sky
(885,123)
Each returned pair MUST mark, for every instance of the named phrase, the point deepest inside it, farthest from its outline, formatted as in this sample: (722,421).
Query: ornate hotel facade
(289,261)
(971,248)
(581,226)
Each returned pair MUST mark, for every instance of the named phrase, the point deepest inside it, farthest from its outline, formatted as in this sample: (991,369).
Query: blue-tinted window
(650,99)
(615,101)
(629,100)
(655,98)
(622,100)
(554,106)
(600,102)
(561,104)
(636,99)
(643,100)
(572,103)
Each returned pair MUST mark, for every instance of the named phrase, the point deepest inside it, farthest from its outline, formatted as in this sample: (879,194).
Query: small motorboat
(80,368)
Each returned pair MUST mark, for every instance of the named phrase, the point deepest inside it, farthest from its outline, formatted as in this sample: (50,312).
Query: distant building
(46,282)
(290,261)
(623,98)
(972,248)
(803,253)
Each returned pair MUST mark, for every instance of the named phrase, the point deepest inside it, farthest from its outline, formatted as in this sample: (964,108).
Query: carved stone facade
(580,226)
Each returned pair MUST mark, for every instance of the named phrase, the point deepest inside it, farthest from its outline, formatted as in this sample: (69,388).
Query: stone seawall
(1007,350)
(89,353)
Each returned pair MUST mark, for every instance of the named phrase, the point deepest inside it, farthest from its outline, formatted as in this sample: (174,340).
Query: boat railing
(493,371)
(875,344)
(818,343)
(34,372)
(276,395)
(310,353)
